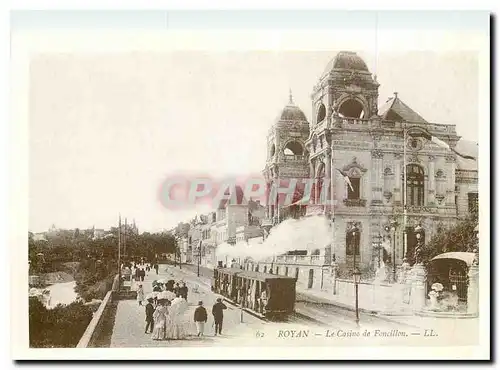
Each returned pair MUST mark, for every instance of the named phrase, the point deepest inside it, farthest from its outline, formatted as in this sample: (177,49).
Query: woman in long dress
(177,314)
(140,294)
(160,321)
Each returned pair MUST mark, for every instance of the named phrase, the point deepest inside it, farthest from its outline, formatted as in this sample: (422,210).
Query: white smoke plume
(308,233)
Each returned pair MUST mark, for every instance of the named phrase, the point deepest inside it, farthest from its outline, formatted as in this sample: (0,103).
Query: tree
(459,238)
(62,326)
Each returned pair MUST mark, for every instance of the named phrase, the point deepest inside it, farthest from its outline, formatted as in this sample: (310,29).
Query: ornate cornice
(355,202)
(378,154)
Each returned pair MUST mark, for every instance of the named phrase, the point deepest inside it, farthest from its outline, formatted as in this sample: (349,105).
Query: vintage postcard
(250,185)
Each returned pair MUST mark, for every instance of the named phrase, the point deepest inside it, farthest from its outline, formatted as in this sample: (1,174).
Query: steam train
(267,295)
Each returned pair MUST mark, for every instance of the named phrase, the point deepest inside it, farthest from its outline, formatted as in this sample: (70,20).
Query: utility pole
(125,238)
(119,245)
(199,258)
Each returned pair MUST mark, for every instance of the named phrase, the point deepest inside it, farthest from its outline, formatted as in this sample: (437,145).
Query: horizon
(133,121)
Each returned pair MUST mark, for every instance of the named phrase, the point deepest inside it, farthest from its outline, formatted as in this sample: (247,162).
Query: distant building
(39,237)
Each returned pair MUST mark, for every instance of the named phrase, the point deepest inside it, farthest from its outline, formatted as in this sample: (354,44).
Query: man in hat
(149,315)
(200,318)
(217,312)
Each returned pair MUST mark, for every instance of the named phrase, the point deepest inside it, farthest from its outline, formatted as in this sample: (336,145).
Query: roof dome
(347,60)
(292,113)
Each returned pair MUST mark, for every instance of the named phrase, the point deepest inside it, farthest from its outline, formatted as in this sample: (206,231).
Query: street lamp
(418,248)
(394,225)
(355,231)
(378,247)
(357,278)
(199,260)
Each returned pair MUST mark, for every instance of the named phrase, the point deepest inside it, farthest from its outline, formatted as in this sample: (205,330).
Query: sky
(105,130)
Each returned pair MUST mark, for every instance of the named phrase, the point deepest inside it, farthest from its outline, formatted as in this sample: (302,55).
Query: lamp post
(355,232)
(199,259)
(357,277)
(379,248)
(394,225)
(418,248)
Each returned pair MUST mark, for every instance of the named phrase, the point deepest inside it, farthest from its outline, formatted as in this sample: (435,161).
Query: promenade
(128,330)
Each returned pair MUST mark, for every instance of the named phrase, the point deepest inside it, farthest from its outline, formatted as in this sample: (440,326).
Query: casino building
(351,134)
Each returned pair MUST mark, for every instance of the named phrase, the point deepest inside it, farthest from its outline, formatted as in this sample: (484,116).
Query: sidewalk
(367,303)
(128,328)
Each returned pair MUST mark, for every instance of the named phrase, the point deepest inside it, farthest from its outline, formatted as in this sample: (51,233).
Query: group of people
(138,270)
(166,308)
(166,320)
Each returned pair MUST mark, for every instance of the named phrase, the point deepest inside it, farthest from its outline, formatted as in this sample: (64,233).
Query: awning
(466,257)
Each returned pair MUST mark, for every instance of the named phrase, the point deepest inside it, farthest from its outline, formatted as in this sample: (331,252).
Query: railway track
(318,311)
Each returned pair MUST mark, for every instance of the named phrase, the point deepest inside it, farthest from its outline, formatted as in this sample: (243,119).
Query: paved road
(311,309)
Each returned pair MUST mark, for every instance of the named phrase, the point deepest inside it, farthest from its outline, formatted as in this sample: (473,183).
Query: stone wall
(93,335)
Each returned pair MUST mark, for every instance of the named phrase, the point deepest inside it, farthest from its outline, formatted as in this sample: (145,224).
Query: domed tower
(287,158)
(346,89)
(340,143)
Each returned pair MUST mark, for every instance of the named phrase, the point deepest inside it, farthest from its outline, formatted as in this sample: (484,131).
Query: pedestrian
(143,274)
(263,301)
(177,290)
(156,268)
(140,294)
(218,313)
(160,318)
(200,318)
(149,316)
(183,291)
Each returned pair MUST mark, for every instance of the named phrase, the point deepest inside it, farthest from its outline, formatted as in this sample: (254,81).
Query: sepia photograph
(253,192)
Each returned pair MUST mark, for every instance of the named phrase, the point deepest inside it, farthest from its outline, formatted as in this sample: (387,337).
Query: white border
(29,42)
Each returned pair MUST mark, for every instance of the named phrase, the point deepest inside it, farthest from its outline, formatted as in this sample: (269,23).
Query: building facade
(389,164)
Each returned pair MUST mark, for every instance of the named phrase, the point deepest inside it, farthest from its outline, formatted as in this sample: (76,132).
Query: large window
(352,243)
(473,203)
(354,192)
(414,185)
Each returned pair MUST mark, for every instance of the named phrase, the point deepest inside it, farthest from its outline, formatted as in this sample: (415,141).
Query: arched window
(321,113)
(351,109)
(293,148)
(414,185)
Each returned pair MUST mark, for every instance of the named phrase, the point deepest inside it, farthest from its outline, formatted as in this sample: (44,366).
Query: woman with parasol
(178,309)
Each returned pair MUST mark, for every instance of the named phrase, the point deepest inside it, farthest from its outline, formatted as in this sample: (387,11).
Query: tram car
(268,295)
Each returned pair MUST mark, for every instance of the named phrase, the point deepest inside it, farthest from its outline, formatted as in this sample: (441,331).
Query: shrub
(60,327)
